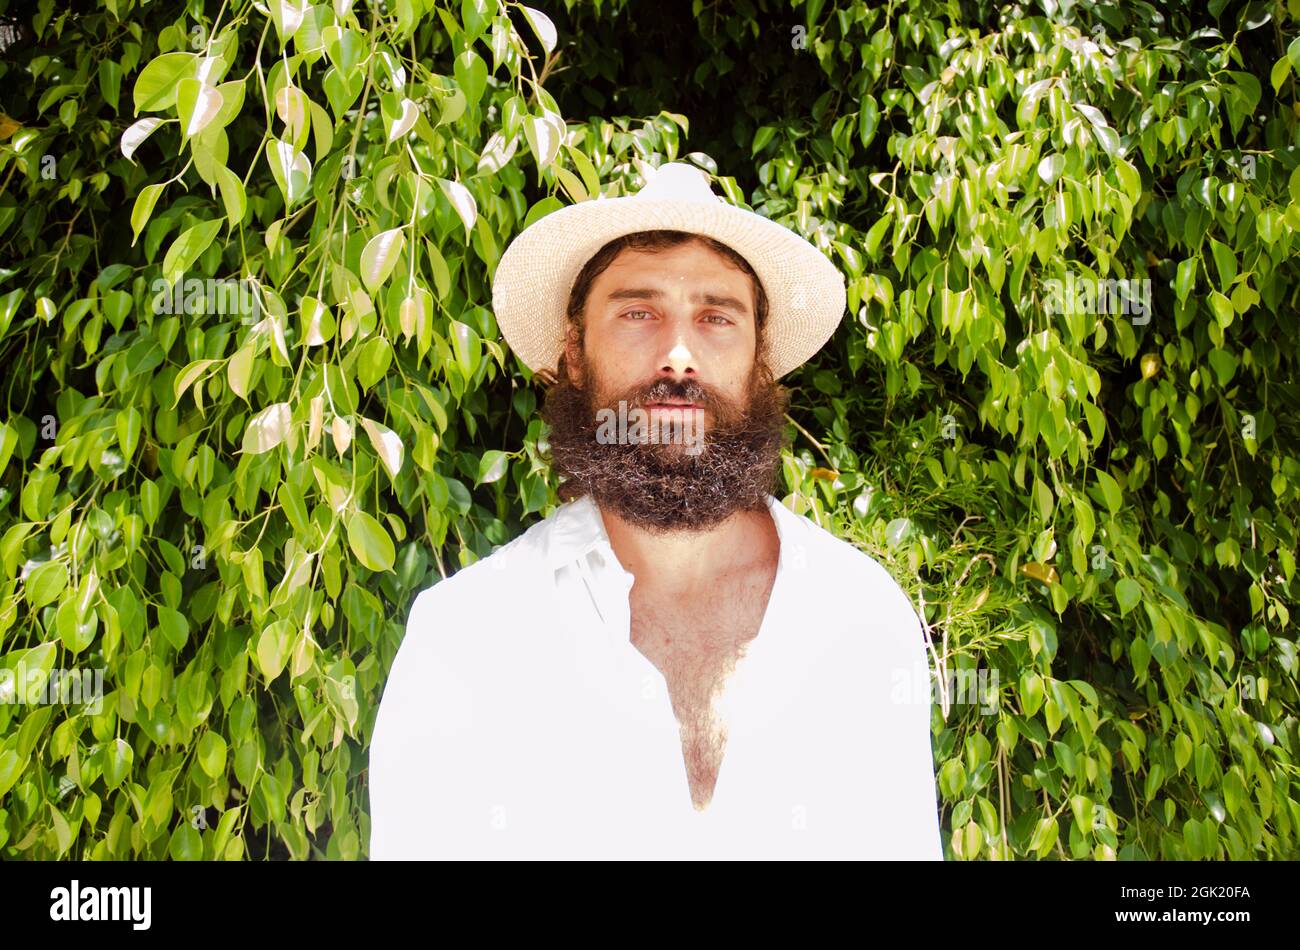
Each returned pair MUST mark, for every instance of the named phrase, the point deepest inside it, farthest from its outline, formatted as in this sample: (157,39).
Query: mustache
(684,390)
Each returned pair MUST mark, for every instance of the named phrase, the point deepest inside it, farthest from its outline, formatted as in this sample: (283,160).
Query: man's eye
(715,317)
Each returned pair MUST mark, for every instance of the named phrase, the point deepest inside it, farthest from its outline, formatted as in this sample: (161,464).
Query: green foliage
(257,399)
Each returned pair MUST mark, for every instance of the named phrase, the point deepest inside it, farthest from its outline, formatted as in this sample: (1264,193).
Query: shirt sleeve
(912,832)
(921,804)
(422,730)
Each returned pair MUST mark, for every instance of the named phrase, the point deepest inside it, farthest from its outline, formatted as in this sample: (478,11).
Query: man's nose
(679,360)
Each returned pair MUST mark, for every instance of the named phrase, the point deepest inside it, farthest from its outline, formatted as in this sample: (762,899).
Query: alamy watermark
(89,902)
(34,687)
(963,688)
(1131,297)
(669,425)
(224,296)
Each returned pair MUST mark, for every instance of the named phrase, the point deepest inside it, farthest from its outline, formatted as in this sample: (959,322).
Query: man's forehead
(716,281)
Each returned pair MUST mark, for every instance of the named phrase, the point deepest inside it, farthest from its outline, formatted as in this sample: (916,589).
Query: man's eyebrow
(710,299)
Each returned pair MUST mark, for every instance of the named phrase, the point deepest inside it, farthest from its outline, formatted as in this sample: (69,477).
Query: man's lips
(672,405)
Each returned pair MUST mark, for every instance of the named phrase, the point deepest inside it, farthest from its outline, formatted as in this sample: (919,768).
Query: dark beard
(662,487)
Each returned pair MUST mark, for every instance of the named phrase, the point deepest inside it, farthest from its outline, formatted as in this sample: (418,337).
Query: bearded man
(673,664)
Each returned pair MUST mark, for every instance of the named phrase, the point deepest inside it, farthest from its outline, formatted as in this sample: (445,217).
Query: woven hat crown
(678,181)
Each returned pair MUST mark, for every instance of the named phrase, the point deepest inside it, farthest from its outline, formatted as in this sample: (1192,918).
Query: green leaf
(380,256)
(1044,836)
(232,195)
(290,169)
(1225,261)
(232,100)
(273,648)
(295,508)
(1269,225)
(1194,839)
(158,83)
(150,501)
(1206,767)
(185,844)
(542,26)
(370,542)
(267,429)
(11,768)
(1224,365)
(287,15)
(868,120)
(1280,72)
(492,466)
(188,376)
(1222,308)
(1110,491)
(463,202)
(438,266)
(1185,278)
(1050,168)
(465,343)
(76,628)
(1031,693)
(212,754)
(9,306)
(590,179)
(197,105)
(373,360)
(239,372)
(136,133)
(572,184)
(317,322)
(174,627)
(185,250)
(129,423)
(143,208)
(8,442)
(538,211)
(118,759)
(1127,594)
(110,81)
(46,583)
(225,826)
(471,75)
(1130,179)
(403,119)
(386,444)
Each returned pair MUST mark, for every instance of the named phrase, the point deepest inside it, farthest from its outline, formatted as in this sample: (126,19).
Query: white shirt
(518,720)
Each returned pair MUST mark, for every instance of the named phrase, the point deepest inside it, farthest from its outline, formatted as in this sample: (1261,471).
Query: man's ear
(573,356)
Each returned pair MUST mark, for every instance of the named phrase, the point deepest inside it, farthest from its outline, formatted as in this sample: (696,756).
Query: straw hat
(530,290)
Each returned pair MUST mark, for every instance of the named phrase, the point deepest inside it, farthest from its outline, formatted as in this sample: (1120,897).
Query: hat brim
(531,286)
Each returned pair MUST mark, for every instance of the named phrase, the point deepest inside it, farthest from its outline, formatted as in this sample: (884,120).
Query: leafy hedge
(256,398)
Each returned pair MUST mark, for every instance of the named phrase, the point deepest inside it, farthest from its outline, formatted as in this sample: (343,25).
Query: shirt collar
(577,528)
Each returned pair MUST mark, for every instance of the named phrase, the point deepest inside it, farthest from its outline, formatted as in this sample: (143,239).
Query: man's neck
(688,561)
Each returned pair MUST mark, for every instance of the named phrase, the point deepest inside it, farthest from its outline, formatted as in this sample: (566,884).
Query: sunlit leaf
(380,256)
(267,429)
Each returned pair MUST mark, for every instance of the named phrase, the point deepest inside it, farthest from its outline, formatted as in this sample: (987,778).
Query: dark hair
(659,240)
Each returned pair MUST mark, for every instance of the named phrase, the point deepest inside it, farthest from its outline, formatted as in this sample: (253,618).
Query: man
(673,664)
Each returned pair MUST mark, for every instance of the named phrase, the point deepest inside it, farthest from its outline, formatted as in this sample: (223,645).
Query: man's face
(684,315)
(671,336)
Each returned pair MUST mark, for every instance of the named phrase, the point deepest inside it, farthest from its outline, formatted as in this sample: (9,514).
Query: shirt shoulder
(849,582)
(464,636)
(485,593)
